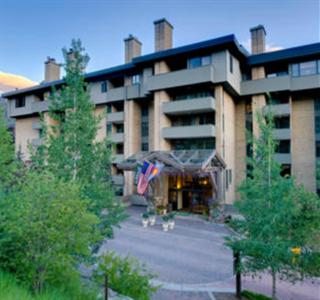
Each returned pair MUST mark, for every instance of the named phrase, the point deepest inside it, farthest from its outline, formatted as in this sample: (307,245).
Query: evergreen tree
(7,165)
(70,149)
(279,216)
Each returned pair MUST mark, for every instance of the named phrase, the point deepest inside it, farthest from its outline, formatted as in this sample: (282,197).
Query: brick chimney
(162,35)
(51,70)
(258,39)
(132,48)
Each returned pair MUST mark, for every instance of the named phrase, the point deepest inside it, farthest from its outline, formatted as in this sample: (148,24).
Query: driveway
(190,261)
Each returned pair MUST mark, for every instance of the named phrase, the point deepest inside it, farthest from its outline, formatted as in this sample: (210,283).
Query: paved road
(191,261)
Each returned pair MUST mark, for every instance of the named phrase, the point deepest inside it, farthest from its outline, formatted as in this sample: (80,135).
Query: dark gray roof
(285,54)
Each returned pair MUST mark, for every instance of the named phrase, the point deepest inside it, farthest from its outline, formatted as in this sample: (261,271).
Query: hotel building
(181,104)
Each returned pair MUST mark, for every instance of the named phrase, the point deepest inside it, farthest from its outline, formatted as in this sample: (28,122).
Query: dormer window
(20,102)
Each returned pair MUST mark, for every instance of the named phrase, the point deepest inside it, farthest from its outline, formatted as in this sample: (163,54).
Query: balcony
(282,134)
(117,138)
(36,142)
(283,158)
(278,109)
(115,117)
(115,94)
(118,179)
(265,85)
(189,132)
(196,105)
(181,78)
(281,83)
(39,106)
(117,158)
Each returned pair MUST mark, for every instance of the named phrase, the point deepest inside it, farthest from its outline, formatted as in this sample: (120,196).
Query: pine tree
(278,217)
(7,156)
(70,149)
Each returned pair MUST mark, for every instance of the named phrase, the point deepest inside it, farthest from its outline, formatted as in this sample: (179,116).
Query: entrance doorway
(190,193)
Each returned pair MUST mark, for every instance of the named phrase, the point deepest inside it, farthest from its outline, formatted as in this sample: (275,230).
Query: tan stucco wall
(230,143)
(102,131)
(132,138)
(225,136)
(219,120)
(241,142)
(160,121)
(24,134)
(303,142)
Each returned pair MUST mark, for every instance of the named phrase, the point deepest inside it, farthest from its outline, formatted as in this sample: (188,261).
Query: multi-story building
(200,96)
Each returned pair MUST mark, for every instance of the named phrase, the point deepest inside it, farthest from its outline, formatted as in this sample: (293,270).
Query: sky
(31,30)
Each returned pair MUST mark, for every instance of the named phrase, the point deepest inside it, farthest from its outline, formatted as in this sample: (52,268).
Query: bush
(126,276)
(10,290)
(253,296)
(45,232)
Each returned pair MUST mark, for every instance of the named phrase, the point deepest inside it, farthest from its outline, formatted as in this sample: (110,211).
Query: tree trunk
(274,279)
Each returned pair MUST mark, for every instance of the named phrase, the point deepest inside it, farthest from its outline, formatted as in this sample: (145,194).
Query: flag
(156,170)
(143,177)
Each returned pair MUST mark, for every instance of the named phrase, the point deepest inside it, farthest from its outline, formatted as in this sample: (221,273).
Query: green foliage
(253,296)
(70,149)
(165,218)
(11,290)
(278,215)
(126,276)
(46,231)
(7,165)
(145,215)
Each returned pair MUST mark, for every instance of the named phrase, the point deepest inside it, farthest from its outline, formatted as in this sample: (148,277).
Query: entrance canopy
(195,163)
(177,161)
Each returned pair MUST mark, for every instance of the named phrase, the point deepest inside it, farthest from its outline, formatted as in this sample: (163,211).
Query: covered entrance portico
(191,180)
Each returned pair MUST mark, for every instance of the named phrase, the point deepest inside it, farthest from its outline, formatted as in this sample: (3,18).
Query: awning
(177,161)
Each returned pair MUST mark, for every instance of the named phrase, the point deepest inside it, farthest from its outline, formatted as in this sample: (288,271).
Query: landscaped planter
(165,226)
(145,219)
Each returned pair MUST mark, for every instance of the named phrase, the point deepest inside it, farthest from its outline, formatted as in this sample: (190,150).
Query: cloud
(10,81)
(270,47)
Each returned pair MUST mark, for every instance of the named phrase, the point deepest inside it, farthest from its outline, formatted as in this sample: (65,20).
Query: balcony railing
(194,131)
(196,105)
(181,78)
(117,138)
(115,117)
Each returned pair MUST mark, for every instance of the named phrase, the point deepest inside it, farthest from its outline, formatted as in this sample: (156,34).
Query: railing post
(236,268)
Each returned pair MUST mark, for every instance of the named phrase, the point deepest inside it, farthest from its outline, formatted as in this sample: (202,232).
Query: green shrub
(126,276)
(45,232)
(10,290)
(254,296)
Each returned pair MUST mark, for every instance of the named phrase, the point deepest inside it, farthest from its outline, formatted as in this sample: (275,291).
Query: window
(144,147)
(305,68)
(119,128)
(283,146)
(144,128)
(318,149)
(308,68)
(109,129)
(282,122)
(20,102)
(104,87)
(109,108)
(317,124)
(136,79)
(196,62)
(193,144)
(231,64)
(295,70)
